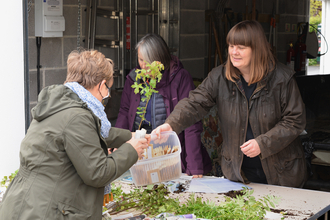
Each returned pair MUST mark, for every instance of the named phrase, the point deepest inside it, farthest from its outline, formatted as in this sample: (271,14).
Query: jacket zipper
(250,104)
(249,107)
(153,109)
(248,113)
(246,124)
(255,92)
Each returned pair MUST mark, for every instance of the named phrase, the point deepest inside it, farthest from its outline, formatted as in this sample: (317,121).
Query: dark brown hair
(251,34)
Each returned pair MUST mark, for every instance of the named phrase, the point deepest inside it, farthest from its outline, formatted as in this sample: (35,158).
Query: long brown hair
(251,34)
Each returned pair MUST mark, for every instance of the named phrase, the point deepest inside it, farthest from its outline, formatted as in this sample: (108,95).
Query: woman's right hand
(139,145)
(161,128)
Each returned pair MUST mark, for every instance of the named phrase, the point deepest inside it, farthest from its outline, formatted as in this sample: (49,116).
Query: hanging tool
(253,16)
(211,19)
(218,51)
(300,50)
(272,30)
(246,10)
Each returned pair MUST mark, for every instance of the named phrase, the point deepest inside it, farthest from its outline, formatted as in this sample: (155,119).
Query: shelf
(107,13)
(106,43)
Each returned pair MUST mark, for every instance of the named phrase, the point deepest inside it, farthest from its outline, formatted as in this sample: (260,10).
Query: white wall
(12,121)
(324,61)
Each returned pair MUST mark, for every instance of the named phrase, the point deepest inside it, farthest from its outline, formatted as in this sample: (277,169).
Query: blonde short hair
(88,68)
(251,34)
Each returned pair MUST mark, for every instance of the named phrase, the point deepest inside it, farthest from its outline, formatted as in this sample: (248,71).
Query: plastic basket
(161,161)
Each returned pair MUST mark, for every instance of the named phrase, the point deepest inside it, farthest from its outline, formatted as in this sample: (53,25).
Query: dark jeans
(253,171)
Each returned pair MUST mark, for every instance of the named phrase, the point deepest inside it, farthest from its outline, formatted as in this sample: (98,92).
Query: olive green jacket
(276,113)
(64,162)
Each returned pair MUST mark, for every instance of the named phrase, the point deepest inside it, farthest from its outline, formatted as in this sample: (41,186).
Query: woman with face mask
(64,161)
(261,112)
(176,83)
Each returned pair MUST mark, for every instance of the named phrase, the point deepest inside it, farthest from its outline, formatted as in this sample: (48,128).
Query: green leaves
(153,83)
(8,178)
(245,206)
(137,87)
(3,181)
(150,187)
(151,201)
(154,200)
(148,79)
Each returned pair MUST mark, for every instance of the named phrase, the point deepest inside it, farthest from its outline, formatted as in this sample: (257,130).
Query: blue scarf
(94,104)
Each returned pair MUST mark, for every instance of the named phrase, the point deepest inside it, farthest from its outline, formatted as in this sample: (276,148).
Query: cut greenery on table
(145,84)
(154,200)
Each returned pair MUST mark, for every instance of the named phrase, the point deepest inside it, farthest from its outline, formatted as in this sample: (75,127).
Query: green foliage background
(314,20)
(315,12)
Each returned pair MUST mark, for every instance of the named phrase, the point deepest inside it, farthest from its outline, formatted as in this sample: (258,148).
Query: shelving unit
(130,21)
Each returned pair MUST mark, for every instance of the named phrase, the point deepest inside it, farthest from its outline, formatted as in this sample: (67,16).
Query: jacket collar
(260,85)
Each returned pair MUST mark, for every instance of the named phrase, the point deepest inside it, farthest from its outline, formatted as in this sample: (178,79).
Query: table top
(299,203)
(297,199)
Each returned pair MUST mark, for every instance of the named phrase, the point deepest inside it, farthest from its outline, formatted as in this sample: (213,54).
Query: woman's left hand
(251,148)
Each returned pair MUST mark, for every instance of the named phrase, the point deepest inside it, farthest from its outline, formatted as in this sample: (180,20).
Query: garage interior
(195,31)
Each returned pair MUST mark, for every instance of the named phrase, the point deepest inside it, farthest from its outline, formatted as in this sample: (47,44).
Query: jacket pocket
(225,155)
(66,212)
(291,172)
(285,166)
(227,165)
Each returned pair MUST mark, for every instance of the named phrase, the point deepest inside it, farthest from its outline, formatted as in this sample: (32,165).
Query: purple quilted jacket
(175,85)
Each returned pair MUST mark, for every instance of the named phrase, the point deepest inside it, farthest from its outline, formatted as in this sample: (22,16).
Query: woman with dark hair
(64,161)
(260,110)
(175,85)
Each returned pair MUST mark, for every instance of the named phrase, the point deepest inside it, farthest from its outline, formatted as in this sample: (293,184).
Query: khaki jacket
(276,113)
(64,162)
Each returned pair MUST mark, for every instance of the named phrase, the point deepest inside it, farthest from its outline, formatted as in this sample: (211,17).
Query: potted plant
(145,84)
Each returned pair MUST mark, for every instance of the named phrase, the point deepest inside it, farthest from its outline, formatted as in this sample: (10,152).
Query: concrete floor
(313,70)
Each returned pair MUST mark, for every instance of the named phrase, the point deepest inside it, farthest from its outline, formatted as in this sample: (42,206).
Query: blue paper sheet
(214,185)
